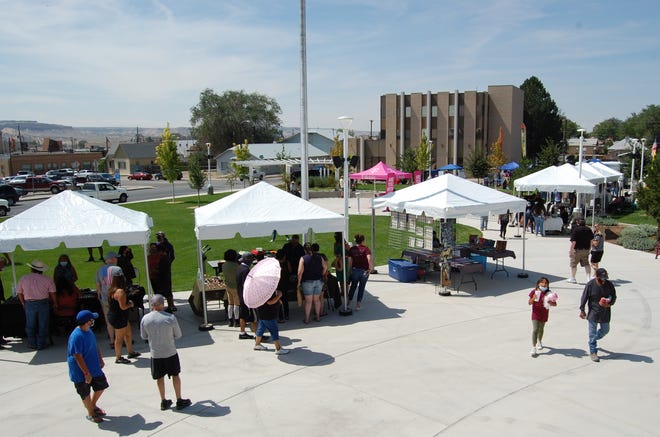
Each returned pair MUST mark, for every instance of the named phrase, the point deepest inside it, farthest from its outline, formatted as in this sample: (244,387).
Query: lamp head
(345,122)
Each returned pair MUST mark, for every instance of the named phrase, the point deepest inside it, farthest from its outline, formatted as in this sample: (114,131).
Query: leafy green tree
(648,194)
(646,124)
(408,162)
(476,164)
(168,158)
(423,158)
(242,153)
(540,115)
(610,129)
(196,176)
(103,165)
(234,116)
(549,155)
(524,169)
(283,154)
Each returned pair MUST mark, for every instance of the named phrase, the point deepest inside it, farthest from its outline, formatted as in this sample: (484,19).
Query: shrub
(607,221)
(640,237)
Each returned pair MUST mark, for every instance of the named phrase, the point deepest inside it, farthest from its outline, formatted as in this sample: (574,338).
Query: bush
(607,221)
(640,237)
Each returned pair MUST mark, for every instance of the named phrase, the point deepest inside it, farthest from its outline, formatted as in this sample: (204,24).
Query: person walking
(102,284)
(229,269)
(362,265)
(85,362)
(160,329)
(35,291)
(597,248)
(539,299)
(581,237)
(268,322)
(503,220)
(598,297)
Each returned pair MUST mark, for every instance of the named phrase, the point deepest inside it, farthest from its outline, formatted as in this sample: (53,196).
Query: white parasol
(261,282)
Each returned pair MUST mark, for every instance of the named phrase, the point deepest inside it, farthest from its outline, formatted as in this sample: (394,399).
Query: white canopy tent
(77,221)
(257,211)
(563,179)
(450,196)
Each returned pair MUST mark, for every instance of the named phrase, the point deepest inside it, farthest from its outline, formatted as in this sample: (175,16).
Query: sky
(145,62)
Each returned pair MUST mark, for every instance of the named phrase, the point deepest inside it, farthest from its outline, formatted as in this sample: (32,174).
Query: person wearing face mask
(65,272)
(540,312)
(599,295)
(125,261)
(66,291)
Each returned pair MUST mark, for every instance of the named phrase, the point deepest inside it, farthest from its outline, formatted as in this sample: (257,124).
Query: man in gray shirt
(161,328)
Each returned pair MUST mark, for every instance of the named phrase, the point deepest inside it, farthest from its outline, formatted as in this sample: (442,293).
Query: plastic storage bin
(479,258)
(402,270)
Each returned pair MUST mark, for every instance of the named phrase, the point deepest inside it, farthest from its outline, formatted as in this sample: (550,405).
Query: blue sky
(145,62)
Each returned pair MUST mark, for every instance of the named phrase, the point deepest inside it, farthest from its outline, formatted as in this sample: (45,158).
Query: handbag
(299,295)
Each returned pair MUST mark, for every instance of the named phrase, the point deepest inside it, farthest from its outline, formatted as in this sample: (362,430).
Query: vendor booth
(449,197)
(258,211)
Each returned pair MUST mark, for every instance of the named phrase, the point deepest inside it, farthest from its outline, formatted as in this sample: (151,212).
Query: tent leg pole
(523,274)
(346,311)
(373,237)
(206,326)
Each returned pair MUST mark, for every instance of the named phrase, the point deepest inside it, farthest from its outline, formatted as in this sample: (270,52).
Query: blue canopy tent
(510,166)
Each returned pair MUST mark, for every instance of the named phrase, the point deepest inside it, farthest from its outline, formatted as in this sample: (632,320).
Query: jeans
(37,315)
(539,225)
(596,334)
(358,277)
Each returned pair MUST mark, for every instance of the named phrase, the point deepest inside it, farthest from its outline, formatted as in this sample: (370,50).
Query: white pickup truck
(104,191)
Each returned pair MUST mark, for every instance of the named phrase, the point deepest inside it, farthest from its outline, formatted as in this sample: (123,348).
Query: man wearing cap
(85,362)
(160,329)
(34,291)
(165,245)
(599,294)
(102,285)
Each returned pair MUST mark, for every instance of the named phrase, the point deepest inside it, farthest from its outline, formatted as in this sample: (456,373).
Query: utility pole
(371,129)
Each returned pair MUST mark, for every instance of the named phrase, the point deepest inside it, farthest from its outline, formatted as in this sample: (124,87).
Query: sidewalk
(410,363)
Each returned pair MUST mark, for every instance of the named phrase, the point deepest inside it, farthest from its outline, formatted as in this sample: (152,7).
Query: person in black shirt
(581,237)
(598,296)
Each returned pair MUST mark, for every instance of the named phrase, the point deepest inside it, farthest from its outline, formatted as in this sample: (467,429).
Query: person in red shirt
(362,265)
(540,298)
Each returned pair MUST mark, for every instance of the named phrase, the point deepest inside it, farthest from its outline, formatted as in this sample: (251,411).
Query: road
(144,190)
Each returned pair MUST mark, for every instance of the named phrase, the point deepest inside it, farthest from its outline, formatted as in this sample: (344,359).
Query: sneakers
(134,355)
(182,403)
(282,351)
(533,352)
(594,357)
(165,404)
(260,347)
(245,336)
(231,323)
(571,281)
(539,346)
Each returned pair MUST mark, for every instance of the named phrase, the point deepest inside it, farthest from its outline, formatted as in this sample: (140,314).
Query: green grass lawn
(636,217)
(177,221)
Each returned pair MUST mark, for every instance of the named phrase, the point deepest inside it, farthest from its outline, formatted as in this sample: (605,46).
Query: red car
(139,176)
(39,183)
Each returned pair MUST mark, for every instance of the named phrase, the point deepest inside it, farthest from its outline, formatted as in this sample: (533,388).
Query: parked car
(109,178)
(24,173)
(256,176)
(159,176)
(39,183)
(140,176)
(4,207)
(9,193)
(59,173)
(99,177)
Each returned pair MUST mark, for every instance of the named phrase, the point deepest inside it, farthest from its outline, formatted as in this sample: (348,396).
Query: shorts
(270,326)
(97,383)
(232,296)
(118,321)
(246,313)
(312,288)
(579,256)
(596,256)
(169,366)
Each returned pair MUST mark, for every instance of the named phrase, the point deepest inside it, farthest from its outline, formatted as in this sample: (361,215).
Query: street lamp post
(641,169)
(578,206)
(209,187)
(346,125)
(632,169)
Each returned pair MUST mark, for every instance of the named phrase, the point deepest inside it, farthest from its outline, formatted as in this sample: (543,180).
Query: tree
(610,129)
(168,158)
(540,115)
(242,153)
(496,157)
(423,158)
(548,156)
(648,194)
(407,162)
(196,177)
(281,155)
(234,116)
(477,165)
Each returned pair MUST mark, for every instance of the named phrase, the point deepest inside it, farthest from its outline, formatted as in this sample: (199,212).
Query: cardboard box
(402,270)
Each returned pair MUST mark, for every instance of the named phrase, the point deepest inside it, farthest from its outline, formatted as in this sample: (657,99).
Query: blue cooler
(402,270)
(479,258)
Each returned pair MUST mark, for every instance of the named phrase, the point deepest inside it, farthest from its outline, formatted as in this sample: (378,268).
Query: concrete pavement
(410,362)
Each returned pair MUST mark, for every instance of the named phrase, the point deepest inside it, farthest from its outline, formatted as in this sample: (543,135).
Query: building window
(38,168)
(434,111)
(424,111)
(452,110)
(408,111)
(121,165)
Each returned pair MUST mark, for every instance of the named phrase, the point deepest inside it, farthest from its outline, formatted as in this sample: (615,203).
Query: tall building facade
(456,123)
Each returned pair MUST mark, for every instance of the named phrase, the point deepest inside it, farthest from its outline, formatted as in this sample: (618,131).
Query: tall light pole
(577,199)
(641,169)
(632,168)
(209,188)
(346,123)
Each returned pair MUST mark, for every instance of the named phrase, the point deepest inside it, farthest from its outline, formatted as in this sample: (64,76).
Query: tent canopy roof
(75,220)
(563,179)
(379,172)
(258,210)
(450,196)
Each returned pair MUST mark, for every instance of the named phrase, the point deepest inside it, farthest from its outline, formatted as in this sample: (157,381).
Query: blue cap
(85,316)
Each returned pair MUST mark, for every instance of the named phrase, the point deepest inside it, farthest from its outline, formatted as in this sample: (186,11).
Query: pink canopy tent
(379,172)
